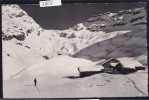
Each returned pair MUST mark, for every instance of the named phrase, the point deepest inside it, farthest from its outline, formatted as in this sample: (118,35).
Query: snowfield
(58,86)
(53,56)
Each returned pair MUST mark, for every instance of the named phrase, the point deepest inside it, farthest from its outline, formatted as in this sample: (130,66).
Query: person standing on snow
(35,81)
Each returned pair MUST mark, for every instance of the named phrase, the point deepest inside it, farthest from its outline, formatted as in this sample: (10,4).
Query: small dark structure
(89,73)
(130,66)
(122,69)
(112,66)
(122,66)
(140,68)
(90,70)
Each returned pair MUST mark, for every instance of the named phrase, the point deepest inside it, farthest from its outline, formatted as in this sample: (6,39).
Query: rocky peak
(17,24)
(112,21)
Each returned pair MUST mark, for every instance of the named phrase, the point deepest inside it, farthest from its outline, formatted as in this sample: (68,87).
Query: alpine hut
(90,70)
(110,65)
(130,66)
(121,65)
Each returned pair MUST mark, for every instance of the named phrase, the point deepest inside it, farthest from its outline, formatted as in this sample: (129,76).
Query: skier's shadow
(35,86)
(37,89)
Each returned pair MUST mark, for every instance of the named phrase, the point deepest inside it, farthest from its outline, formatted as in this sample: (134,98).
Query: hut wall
(109,70)
(128,70)
(119,67)
(84,74)
(140,68)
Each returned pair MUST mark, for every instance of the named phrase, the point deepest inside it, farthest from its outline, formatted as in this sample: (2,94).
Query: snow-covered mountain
(130,44)
(26,44)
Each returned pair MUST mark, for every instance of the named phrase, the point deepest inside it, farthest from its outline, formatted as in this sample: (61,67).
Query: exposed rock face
(123,20)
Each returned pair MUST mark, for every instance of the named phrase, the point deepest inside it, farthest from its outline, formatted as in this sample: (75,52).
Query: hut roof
(108,60)
(100,63)
(130,63)
(91,68)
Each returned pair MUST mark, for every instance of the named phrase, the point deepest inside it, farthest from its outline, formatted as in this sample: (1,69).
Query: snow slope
(57,65)
(99,85)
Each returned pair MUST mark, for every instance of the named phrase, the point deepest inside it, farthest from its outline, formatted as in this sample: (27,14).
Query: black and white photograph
(76,50)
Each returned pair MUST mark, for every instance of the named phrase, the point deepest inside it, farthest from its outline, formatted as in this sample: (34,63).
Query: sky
(68,15)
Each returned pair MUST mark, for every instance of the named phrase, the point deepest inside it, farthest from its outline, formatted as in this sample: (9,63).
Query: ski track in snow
(135,87)
(19,72)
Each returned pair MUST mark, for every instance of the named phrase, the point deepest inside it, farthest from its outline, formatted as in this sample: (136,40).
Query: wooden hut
(110,65)
(130,66)
(124,66)
(90,70)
